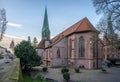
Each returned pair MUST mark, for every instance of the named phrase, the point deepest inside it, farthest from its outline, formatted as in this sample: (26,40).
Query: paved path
(4,67)
(113,75)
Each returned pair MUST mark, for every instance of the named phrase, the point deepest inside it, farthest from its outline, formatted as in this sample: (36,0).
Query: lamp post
(3,22)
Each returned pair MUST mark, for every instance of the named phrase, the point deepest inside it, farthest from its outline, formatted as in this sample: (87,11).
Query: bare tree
(29,39)
(109,8)
(102,25)
(3,22)
(35,42)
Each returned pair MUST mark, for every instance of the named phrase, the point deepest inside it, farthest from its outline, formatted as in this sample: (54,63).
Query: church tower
(45,27)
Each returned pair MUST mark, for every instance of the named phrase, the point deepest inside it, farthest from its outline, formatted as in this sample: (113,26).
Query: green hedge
(44,69)
(66,76)
(39,78)
(64,70)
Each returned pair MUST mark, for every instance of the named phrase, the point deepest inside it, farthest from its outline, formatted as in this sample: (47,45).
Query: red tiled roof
(81,26)
(41,45)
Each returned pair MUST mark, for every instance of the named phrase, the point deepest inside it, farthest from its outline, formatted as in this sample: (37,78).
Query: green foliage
(64,70)
(39,78)
(103,70)
(34,42)
(17,73)
(44,69)
(77,70)
(1,57)
(27,54)
(29,39)
(66,76)
(20,74)
(1,68)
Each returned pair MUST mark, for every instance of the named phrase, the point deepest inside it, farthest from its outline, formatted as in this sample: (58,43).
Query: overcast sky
(25,17)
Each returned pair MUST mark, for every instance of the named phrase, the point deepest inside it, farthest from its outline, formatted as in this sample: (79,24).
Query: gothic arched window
(58,53)
(70,47)
(81,47)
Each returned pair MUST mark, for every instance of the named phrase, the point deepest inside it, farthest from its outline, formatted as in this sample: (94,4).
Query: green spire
(45,28)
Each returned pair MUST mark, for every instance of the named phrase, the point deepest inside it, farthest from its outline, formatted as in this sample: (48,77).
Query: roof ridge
(80,23)
(65,30)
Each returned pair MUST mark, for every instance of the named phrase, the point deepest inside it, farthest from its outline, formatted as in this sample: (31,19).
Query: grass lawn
(27,78)
(1,68)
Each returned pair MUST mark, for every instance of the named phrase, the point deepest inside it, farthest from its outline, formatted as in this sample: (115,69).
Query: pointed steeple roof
(45,27)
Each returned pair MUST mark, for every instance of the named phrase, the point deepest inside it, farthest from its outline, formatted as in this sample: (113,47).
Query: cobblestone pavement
(112,75)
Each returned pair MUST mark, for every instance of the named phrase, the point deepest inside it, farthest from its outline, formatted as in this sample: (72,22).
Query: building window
(93,64)
(81,47)
(58,53)
(70,48)
(94,51)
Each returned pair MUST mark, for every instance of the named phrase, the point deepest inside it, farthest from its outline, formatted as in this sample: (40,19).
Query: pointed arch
(58,53)
(70,48)
(81,47)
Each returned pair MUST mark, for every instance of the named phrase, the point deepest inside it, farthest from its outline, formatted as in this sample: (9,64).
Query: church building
(77,46)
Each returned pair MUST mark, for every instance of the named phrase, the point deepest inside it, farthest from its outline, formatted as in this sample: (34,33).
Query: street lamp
(3,22)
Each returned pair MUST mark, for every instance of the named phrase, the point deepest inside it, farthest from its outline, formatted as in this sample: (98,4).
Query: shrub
(28,55)
(81,66)
(1,57)
(66,76)
(64,70)
(44,69)
(39,78)
(77,70)
(103,70)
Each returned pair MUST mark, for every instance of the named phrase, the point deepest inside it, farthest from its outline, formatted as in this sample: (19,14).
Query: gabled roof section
(41,45)
(85,25)
(81,26)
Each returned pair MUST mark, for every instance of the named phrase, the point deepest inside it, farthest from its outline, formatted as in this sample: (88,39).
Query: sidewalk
(4,67)
(112,75)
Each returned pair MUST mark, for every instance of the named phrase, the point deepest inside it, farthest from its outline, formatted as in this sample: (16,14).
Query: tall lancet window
(58,53)
(70,48)
(81,47)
